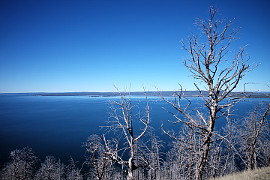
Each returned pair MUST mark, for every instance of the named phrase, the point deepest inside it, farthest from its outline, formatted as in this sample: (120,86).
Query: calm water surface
(58,125)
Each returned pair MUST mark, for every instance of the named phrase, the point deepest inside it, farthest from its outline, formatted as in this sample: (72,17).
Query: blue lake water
(58,125)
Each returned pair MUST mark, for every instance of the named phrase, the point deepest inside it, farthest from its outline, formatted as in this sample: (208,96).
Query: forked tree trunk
(217,74)
(207,141)
(131,165)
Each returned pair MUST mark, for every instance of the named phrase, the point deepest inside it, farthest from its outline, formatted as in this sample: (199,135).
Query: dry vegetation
(258,174)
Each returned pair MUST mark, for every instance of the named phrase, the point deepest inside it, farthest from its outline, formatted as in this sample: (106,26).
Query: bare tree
(72,172)
(173,166)
(21,166)
(122,123)
(214,162)
(51,170)
(266,152)
(181,160)
(218,73)
(252,132)
(153,148)
(98,160)
(230,153)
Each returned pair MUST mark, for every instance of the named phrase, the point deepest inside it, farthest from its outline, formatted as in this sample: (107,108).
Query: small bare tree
(98,160)
(181,160)
(230,153)
(154,155)
(218,73)
(21,166)
(51,169)
(252,132)
(122,123)
(72,172)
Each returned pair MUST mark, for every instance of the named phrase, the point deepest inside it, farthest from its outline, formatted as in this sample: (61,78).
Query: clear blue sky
(91,45)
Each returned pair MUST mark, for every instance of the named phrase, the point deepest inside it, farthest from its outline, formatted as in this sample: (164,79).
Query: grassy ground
(258,174)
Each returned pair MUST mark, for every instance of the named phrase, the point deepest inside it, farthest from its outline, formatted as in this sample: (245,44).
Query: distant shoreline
(148,93)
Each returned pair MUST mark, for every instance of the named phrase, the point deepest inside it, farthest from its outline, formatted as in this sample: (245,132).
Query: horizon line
(51,92)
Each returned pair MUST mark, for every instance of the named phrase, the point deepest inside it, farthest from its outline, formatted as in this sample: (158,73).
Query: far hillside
(148,93)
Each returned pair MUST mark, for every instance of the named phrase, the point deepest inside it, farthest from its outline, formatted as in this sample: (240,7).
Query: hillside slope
(258,174)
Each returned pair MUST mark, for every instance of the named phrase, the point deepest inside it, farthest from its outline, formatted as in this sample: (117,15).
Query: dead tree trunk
(218,75)
(122,123)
